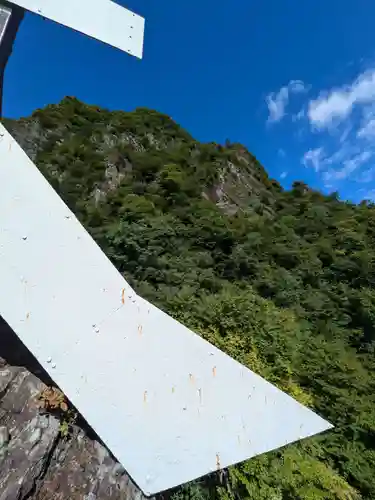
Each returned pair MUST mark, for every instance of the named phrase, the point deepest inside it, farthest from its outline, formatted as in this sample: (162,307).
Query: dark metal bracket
(10,19)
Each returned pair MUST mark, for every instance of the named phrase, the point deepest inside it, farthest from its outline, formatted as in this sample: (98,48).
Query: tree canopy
(283,281)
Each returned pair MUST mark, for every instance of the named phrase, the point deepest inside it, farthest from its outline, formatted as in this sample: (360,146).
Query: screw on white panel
(49,360)
(24,238)
(53,365)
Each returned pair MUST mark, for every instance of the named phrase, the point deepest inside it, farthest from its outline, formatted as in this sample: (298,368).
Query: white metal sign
(101,19)
(169,405)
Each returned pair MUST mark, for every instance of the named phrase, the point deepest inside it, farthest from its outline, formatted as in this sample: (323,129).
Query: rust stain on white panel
(170,406)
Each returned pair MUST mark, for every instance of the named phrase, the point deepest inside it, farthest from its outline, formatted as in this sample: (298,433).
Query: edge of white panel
(103,20)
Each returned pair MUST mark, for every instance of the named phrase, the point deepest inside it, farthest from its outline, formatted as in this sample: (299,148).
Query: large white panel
(101,19)
(169,405)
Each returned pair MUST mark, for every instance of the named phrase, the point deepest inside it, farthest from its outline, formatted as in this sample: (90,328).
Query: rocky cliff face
(38,461)
(233,178)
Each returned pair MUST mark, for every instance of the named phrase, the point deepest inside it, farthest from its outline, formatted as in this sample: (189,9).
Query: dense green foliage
(281,280)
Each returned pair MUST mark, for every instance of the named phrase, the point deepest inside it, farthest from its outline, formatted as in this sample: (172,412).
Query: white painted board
(101,19)
(169,405)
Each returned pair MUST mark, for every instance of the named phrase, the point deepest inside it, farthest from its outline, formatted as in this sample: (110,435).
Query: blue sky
(293,81)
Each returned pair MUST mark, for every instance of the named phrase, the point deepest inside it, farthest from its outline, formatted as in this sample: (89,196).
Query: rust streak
(200,395)
(191,377)
(214,371)
(140,329)
(145,397)
(123,295)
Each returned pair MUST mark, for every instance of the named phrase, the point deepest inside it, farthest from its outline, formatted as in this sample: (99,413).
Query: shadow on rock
(15,353)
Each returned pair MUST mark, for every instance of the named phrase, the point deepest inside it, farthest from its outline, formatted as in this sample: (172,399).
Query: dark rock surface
(36,461)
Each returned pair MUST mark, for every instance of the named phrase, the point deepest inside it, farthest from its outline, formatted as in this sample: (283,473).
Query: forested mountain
(283,281)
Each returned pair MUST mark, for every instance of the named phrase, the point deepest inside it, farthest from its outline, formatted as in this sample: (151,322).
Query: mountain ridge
(283,281)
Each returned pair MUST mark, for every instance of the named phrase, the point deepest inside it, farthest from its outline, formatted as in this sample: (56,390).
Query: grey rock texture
(36,461)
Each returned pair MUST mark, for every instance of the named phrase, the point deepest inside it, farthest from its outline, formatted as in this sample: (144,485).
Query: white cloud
(314,158)
(278,101)
(297,86)
(337,104)
(367,131)
(281,153)
(349,166)
(345,118)
(301,114)
(344,153)
(367,128)
(367,176)
(345,133)
(370,195)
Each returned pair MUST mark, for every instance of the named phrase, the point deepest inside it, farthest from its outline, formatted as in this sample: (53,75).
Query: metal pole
(10,19)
